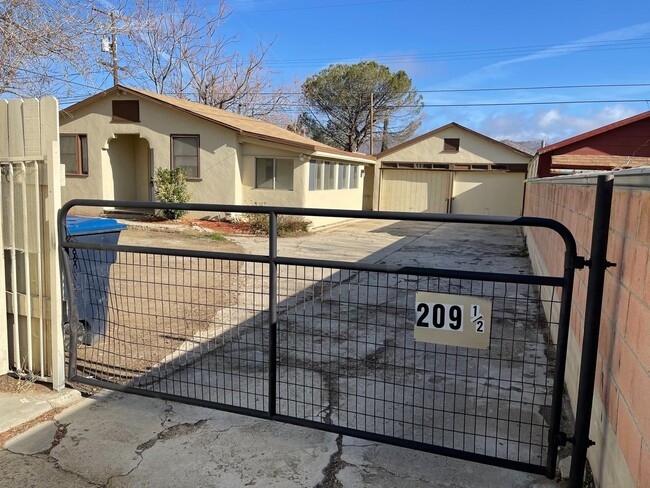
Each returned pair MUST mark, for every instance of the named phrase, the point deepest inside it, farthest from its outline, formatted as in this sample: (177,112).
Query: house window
(344,177)
(74,153)
(354,177)
(126,111)
(316,170)
(330,175)
(274,174)
(451,145)
(325,175)
(185,153)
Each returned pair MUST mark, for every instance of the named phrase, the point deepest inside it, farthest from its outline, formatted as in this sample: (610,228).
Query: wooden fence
(31,340)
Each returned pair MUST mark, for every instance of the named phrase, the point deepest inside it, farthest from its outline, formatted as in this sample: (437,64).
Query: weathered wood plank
(4,130)
(53,292)
(32,127)
(16,133)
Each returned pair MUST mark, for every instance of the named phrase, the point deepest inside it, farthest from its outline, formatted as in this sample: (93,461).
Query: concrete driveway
(340,363)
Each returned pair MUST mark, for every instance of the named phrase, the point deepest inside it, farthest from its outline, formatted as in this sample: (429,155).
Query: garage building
(452,169)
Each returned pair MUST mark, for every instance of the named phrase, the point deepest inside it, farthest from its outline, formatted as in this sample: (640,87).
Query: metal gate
(328,344)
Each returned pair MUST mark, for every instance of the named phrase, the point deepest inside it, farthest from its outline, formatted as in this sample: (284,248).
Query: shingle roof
(245,126)
(529,147)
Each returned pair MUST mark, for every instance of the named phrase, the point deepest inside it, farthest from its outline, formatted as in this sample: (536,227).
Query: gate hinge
(579,262)
(588,262)
(562,439)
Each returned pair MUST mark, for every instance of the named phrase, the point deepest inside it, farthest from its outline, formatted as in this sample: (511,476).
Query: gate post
(598,264)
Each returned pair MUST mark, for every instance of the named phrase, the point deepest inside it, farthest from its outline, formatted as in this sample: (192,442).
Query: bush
(288,225)
(171,187)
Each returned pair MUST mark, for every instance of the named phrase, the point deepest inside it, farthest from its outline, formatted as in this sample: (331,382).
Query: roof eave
(595,132)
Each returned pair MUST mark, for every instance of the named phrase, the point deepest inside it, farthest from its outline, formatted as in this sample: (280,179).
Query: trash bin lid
(77,225)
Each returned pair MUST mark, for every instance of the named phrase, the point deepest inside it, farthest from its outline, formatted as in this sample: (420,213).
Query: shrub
(171,187)
(288,225)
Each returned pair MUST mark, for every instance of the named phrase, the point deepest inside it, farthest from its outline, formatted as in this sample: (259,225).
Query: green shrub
(288,225)
(171,187)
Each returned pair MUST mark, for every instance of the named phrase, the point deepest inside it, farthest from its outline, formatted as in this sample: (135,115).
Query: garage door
(404,190)
(483,193)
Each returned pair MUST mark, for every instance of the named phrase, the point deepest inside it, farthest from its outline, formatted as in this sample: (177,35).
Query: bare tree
(40,43)
(180,50)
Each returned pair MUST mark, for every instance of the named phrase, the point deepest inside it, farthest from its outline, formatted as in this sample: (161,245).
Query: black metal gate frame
(572,261)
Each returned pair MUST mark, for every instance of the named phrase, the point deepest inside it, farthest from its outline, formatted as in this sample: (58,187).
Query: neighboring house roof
(245,126)
(425,136)
(595,132)
(529,147)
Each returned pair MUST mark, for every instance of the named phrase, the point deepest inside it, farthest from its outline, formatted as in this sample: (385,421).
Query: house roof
(245,126)
(529,147)
(595,132)
(425,136)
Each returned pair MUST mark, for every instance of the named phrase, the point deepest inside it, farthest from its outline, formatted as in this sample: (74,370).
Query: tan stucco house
(112,143)
(452,169)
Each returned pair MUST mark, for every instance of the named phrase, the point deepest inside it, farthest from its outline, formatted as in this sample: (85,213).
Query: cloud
(552,125)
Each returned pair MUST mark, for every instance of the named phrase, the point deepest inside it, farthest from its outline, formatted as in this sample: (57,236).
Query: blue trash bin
(91,270)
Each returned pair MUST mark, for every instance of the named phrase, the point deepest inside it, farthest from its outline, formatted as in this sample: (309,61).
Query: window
(354,178)
(185,153)
(126,111)
(330,175)
(451,145)
(316,174)
(74,153)
(325,175)
(344,177)
(274,174)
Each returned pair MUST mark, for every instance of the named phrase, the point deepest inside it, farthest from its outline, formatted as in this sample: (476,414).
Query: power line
(298,106)
(485,89)
(426,58)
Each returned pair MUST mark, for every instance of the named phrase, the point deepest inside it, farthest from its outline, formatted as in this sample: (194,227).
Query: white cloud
(549,118)
(551,125)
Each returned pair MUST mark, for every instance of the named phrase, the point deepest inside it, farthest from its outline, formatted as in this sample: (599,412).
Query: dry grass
(155,304)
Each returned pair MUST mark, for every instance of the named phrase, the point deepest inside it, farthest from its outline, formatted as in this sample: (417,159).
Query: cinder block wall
(621,414)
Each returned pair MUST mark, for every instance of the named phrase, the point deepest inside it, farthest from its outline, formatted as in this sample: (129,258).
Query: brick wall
(621,415)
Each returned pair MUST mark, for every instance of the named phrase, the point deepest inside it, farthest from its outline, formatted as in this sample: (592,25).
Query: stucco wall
(118,155)
(219,151)
(473,150)
(263,196)
(621,418)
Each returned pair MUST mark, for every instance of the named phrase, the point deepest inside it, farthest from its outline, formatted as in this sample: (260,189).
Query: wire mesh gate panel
(329,344)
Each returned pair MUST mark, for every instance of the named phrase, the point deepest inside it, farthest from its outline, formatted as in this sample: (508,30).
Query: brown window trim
(198,155)
(79,173)
(116,119)
(449,146)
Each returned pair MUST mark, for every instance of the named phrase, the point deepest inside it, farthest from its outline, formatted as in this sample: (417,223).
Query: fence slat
(32,127)
(27,269)
(50,145)
(4,132)
(4,333)
(16,132)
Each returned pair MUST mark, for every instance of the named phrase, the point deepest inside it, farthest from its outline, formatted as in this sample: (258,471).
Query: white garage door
(488,193)
(405,190)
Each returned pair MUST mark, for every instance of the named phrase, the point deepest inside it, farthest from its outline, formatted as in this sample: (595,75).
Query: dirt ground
(154,302)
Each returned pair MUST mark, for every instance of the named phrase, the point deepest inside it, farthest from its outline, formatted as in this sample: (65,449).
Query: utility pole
(372,122)
(112,45)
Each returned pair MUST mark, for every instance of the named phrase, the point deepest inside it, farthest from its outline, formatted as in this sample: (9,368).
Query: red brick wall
(622,376)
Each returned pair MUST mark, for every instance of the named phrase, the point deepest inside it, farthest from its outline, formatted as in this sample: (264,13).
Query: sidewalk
(117,440)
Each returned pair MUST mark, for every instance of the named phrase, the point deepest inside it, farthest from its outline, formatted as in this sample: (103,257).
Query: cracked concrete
(119,440)
(353,376)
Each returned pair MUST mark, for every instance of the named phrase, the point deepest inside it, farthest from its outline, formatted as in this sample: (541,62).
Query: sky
(470,45)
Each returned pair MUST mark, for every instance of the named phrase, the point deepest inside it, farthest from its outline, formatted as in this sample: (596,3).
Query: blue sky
(469,45)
